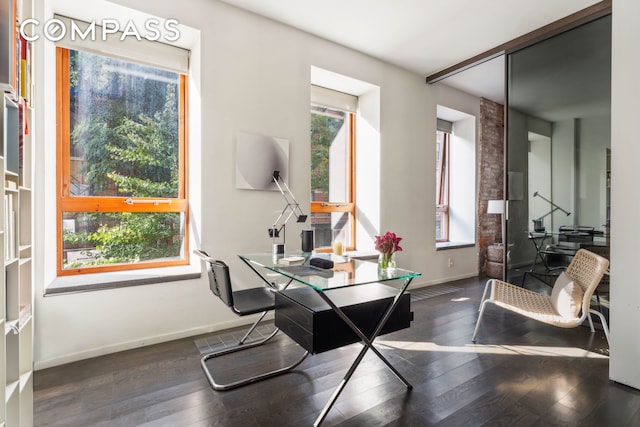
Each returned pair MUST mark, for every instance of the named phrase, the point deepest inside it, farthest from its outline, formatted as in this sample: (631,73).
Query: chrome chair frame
(220,285)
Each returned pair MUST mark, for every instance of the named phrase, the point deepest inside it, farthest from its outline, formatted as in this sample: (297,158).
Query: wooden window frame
(67,203)
(350,205)
(442,192)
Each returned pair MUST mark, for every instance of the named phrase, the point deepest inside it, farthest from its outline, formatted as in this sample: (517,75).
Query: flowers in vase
(388,244)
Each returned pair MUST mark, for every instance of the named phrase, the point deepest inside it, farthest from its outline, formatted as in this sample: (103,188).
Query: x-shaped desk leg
(367,345)
(539,251)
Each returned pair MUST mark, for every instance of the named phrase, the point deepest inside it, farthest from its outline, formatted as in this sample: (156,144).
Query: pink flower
(388,243)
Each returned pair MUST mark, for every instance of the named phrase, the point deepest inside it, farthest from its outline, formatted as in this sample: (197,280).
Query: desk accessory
(321,263)
(291,260)
(292,208)
(538,223)
(307,240)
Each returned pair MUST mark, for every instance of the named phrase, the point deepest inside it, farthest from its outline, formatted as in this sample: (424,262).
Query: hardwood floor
(521,373)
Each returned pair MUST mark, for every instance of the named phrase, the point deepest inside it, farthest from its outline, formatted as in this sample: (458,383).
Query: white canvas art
(257,157)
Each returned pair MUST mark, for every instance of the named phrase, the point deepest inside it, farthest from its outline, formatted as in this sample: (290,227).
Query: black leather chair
(242,302)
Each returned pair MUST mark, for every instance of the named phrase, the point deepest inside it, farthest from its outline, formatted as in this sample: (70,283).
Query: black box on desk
(303,315)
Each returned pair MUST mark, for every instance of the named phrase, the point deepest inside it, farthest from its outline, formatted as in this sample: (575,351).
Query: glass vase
(387,263)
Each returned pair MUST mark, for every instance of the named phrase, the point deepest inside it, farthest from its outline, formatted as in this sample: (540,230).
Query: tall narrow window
(122,194)
(333,167)
(442,185)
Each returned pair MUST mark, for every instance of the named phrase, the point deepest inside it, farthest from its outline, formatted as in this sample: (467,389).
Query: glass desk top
(345,271)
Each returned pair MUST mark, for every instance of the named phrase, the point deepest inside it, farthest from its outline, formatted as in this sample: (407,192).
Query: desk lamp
(538,223)
(292,208)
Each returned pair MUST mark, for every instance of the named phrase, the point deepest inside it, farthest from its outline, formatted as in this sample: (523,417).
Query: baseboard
(129,345)
(448,279)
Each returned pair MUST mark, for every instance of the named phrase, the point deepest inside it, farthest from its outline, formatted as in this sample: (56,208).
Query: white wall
(580,190)
(464,259)
(563,177)
(462,191)
(625,196)
(255,77)
(595,139)
(539,176)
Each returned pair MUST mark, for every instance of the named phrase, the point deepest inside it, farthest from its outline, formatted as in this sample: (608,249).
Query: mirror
(558,139)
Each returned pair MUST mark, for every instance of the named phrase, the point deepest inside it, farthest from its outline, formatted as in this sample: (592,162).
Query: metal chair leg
(486,289)
(605,327)
(229,386)
(475,331)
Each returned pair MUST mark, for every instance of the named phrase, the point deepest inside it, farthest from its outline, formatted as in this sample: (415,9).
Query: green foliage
(129,140)
(138,237)
(148,160)
(324,129)
(75,238)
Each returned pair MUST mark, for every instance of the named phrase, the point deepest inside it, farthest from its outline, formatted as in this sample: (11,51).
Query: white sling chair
(569,303)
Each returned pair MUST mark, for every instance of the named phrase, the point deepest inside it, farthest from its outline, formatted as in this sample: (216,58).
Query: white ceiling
(424,36)
(427,36)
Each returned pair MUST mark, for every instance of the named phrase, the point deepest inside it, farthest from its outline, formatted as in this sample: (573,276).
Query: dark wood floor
(521,373)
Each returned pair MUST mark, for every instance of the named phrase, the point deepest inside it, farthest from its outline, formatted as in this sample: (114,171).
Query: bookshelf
(16,298)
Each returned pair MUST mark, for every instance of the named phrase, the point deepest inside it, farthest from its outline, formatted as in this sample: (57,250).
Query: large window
(332,171)
(455,178)
(442,185)
(121,144)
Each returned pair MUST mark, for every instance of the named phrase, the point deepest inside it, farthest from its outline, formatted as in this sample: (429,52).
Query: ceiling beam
(567,23)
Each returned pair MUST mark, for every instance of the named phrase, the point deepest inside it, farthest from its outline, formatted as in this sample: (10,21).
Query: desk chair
(569,303)
(243,303)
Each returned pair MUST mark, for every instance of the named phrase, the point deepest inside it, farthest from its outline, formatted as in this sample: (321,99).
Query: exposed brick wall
(490,176)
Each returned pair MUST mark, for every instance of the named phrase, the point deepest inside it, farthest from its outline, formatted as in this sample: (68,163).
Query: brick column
(490,176)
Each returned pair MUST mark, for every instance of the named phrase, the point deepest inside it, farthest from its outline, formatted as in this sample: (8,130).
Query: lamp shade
(495,207)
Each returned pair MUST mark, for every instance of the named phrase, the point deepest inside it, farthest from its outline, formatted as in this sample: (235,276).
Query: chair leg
(475,331)
(248,380)
(591,328)
(484,294)
(605,326)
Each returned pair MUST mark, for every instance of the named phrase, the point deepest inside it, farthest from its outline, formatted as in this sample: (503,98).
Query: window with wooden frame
(121,164)
(333,144)
(442,185)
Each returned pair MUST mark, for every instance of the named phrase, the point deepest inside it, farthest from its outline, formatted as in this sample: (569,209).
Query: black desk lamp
(538,223)
(292,208)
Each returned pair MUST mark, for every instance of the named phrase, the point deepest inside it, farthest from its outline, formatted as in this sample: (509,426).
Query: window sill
(441,246)
(122,279)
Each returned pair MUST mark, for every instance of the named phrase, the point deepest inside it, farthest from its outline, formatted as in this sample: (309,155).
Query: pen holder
(307,240)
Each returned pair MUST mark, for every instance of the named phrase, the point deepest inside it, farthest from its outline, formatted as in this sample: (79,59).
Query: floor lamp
(497,207)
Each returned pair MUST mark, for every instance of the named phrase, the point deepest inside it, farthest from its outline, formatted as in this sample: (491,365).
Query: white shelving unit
(16,298)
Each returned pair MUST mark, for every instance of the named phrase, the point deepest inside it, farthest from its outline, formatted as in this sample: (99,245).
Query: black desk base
(305,317)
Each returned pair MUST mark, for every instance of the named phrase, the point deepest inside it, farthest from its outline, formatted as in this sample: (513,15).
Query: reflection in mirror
(539,177)
(558,137)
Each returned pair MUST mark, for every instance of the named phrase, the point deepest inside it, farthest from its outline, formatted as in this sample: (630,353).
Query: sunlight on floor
(521,350)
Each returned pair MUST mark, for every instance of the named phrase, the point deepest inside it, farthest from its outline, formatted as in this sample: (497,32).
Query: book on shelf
(21,127)
(9,228)
(291,260)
